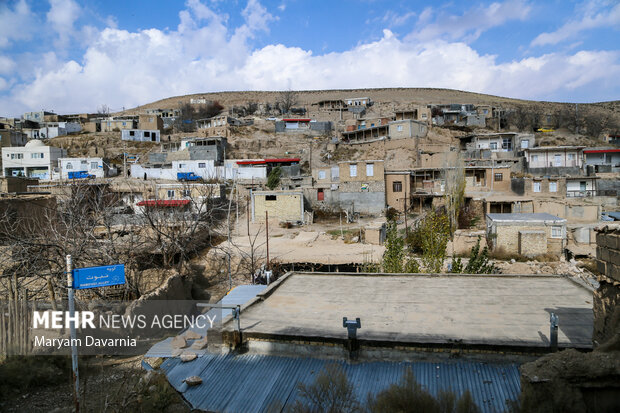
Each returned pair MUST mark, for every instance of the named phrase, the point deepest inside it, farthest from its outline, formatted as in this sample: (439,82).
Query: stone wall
(607,296)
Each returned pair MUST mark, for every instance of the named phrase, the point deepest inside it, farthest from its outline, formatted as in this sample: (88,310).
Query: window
(321,174)
(397,186)
(124,123)
(69,165)
(556,232)
(171,193)
(131,133)
(553,186)
(493,145)
(186,193)
(571,156)
(181,165)
(147,134)
(202,165)
(525,143)
(320,194)
(499,177)
(370,169)
(352,170)
(507,144)
(558,160)
(534,158)
(536,186)
(399,128)
(271,197)
(94,165)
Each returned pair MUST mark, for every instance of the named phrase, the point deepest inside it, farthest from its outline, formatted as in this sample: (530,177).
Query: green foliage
(434,236)
(478,262)
(394,250)
(457,265)
(412,266)
(273,180)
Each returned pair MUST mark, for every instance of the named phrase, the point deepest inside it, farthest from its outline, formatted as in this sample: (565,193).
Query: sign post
(80,279)
(74,358)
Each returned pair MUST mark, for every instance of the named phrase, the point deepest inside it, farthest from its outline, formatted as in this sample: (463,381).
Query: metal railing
(581,194)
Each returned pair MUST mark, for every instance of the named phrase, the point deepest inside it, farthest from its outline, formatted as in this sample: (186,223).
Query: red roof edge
(601,150)
(272,160)
(164,202)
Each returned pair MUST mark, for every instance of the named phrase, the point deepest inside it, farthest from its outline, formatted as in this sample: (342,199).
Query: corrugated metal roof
(237,296)
(253,383)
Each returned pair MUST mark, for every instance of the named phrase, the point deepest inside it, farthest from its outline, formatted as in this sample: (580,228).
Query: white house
(34,160)
(555,157)
(92,166)
(140,135)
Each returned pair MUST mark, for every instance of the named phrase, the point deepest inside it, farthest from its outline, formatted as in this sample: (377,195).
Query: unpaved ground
(309,243)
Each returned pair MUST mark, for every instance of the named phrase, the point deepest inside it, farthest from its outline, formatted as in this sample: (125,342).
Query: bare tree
(287,100)
(519,117)
(103,109)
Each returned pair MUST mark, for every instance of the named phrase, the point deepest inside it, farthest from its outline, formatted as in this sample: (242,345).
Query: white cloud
(125,68)
(594,17)
(17,23)
(61,17)
(471,24)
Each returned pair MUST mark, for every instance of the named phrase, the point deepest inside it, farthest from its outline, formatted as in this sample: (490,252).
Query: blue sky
(72,56)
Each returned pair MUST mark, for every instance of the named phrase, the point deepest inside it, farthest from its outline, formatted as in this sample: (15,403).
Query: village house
(324,189)
(140,135)
(554,160)
(112,124)
(529,235)
(191,148)
(150,122)
(38,116)
(11,138)
(302,125)
(602,159)
(331,105)
(219,125)
(35,160)
(362,186)
(95,167)
(398,189)
(401,129)
(422,114)
(49,130)
(279,205)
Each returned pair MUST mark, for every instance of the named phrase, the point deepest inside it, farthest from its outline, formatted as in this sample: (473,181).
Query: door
(558,160)
(320,195)
(582,186)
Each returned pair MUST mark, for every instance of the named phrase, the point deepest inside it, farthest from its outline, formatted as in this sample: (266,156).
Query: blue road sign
(93,277)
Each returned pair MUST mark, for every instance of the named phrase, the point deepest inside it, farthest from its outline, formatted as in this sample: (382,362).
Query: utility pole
(124,161)
(247,213)
(406,226)
(74,357)
(267,235)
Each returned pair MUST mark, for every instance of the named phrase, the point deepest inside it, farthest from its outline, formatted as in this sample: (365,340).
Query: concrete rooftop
(502,310)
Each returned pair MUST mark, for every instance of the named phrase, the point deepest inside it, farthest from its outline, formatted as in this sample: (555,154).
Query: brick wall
(607,296)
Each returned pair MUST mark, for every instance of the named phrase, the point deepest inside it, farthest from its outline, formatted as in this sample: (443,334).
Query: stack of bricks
(607,296)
